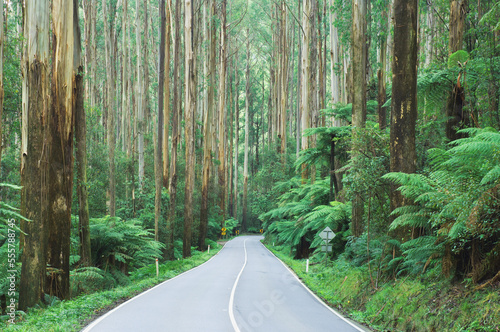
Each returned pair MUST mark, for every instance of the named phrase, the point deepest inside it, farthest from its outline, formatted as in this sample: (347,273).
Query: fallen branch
(378,312)
(489,282)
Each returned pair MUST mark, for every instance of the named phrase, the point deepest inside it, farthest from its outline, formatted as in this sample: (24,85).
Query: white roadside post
(307,266)
(209,249)
(157,269)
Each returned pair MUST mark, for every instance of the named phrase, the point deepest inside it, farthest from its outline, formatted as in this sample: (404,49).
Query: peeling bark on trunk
(36,101)
(60,149)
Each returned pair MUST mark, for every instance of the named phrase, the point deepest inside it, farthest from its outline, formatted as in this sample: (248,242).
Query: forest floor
(400,304)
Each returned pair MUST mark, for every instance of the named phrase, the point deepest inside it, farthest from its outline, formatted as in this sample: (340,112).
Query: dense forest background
(139,129)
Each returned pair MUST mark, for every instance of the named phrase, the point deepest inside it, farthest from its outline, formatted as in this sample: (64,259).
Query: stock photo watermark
(265,308)
(11,270)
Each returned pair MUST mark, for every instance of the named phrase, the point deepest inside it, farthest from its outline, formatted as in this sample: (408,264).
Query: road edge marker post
(307,266)
(209,249)
(157,269)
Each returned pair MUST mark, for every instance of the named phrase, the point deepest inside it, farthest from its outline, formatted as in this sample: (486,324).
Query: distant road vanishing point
(244,288)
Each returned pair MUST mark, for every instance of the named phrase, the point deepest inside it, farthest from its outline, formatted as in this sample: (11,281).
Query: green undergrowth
(402,304)
(74,314)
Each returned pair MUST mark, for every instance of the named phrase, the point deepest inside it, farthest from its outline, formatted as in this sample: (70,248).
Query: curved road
(243,288)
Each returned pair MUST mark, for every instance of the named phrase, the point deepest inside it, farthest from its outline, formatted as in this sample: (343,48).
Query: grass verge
(74,314)
(404,304)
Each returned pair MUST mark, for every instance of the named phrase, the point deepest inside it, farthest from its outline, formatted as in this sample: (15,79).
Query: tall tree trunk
(336,83)
(404,95)
(313,83)
(244,222)
(1,81)
(274,75)
(36,100)
(493,85)
(166,108)
(322,64)
(207,121)
(124,96)
(93,58)
(159,147)
(231,143)
(189,112)
(237,124)
(66,48)
(457,118)
(81,168)
(429,38)
(222,114)
(298,118)
(145,86)
(130,132)
(359,97)
(381,73)
(284,80)
(87,17)
(335,58)
(139,94)
(306,72)
(172,186)
(110,106)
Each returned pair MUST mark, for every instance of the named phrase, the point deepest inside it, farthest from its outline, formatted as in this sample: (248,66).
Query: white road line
(314,295)
(98,320)
(231,299)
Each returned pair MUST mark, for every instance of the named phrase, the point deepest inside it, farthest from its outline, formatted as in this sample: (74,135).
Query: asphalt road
(243,288)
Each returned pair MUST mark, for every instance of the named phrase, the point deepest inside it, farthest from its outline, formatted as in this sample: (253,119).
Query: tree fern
(458,202)
(124,241)
(420,253)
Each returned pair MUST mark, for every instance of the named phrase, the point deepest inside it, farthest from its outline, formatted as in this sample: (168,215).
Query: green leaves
(459,58)
(122,241)
(303,212)
(457,202)
(491,17)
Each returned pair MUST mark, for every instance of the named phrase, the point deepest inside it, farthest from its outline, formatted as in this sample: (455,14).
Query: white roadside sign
(327,234)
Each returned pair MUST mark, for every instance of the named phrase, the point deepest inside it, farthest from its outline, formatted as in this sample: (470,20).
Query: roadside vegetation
(404,303)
